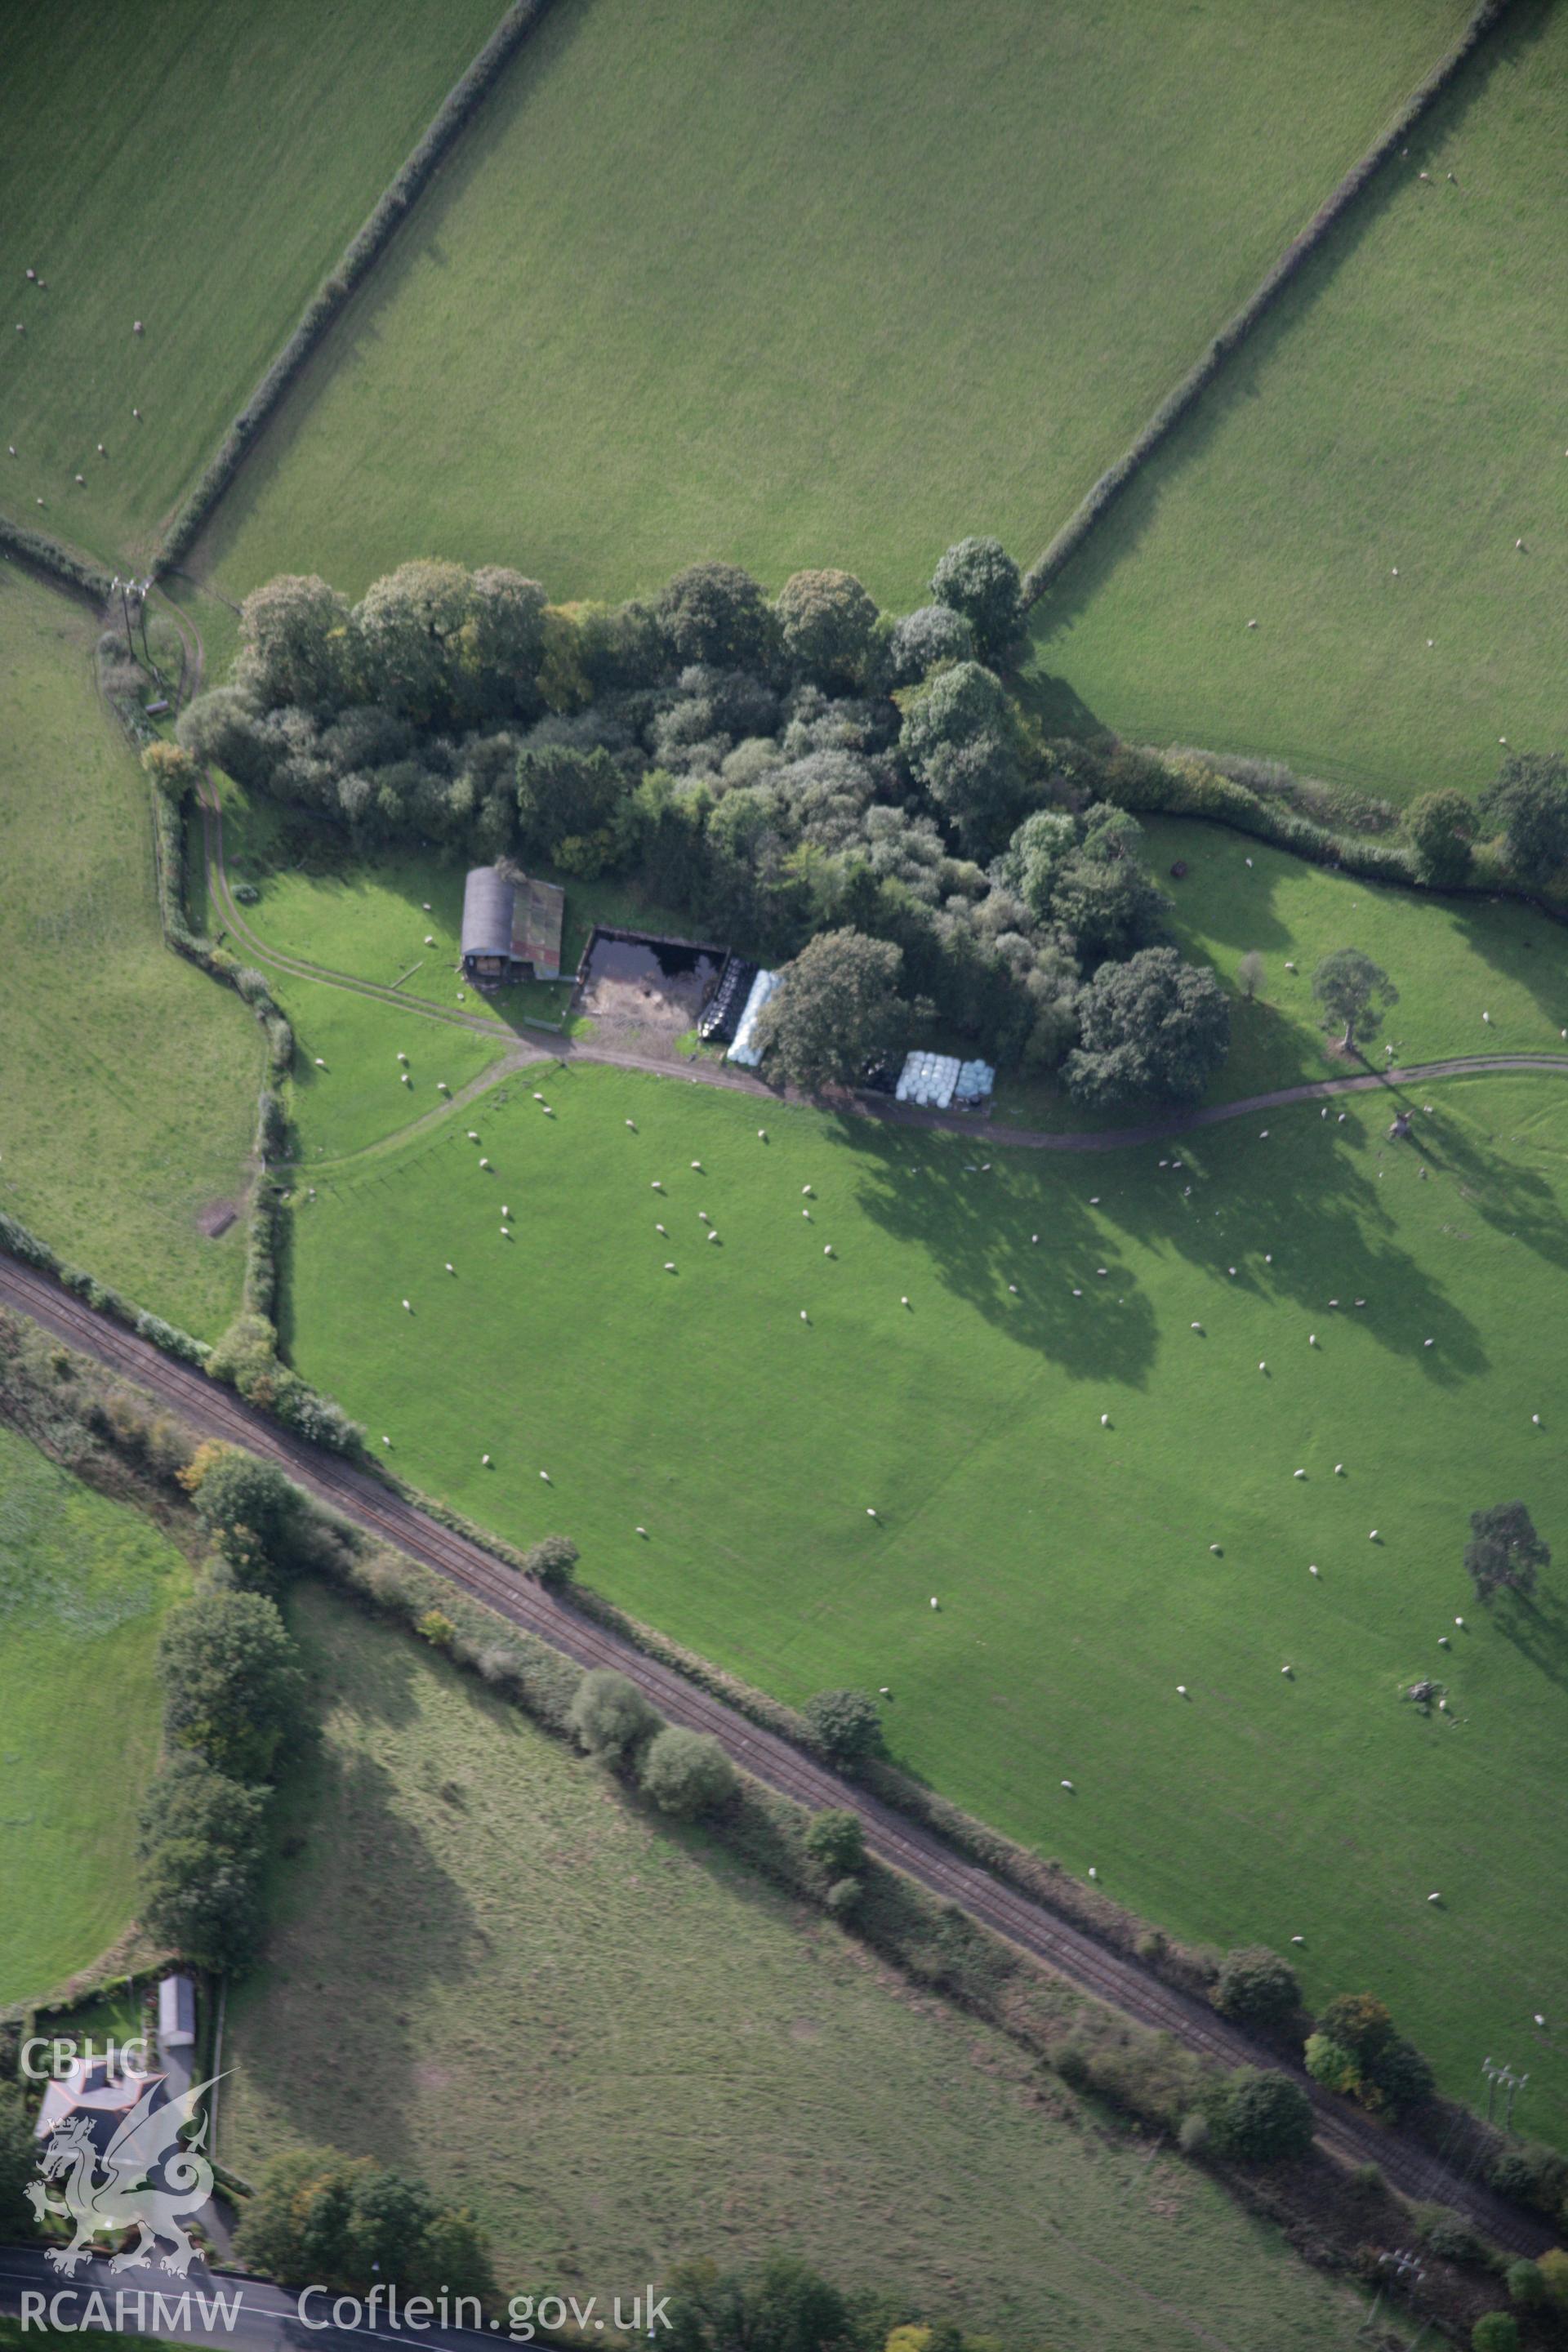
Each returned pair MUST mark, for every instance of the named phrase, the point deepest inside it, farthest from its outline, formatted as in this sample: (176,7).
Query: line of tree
(322,2219)
(788,771)
(233,1695)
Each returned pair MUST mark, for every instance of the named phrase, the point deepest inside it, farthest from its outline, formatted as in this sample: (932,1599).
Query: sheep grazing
(806,1214)
(1486,1017)
(408,1082)
(1092,1872)
(633,1125)
(1537,2019)
(1535,1419)
(934,1601)
(1518,542)
(538,1098)
(761,1135)
(697,1165)
(1105,1421)
(1252,625)
(102,450)
(1444,1642)
(806,1190)
(804,1316)
(1433,1898)
(386,1441)
(136,412)
(1180,1690)
(485,1460)
(1428,1343)
(406,1308)
(404,1059)
(1298,1939)
(429,938)
(79,477)
(712,1238)
(473,1134)
(1013,1289)
(545,1476)
(656,1186)
(669,1265)
(884,1690)
(1287,1670)
(661,1229)
(904,1302)
(426,906)
(442,1087)
(643,1532)
(1263,1368)
(1312,1339)
(1194,1327)
(1215,1549)
(1372,1535)
(1300,1474)
(1035,1237)
(484,1163)
(704,1217)
(1460,1623)
(1068,1787)
(870,1514)
(506,1213)
(451,1267)
(138,329)
(1339,1469)
(1314,1570)
(828,1249)
(319,1064)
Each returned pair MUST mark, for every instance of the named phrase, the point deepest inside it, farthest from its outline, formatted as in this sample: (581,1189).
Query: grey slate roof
(488,902)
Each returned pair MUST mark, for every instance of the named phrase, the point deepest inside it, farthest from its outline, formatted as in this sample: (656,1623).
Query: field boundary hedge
(60,565)
(1241,323)
(353,267)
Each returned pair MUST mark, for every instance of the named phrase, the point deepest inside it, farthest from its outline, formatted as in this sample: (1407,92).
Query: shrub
(200,1853)
(1263,2117)
(687,1773)
(1494,2332)
(933,634)
(610,1715)
(1553,2269)
(1439,827)
(1525,2284)
(318,2216)
(826,621)
(436,1628)
(843,1896)
(1532,2174)
(1256,1985)
(1368,2180)
(849,1724)
(1152,1944)
(979,579)
(1192,2134)
(252,1510)
(835,1842)
(231,1689)
(1449,2235)
(553,1559)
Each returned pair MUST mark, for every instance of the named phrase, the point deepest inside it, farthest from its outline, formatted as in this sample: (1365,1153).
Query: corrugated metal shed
(488,902)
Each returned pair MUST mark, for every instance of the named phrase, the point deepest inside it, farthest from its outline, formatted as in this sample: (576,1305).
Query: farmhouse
(511,928)
(98,2089)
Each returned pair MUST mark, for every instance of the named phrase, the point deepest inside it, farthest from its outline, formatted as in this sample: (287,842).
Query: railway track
(1029,1924)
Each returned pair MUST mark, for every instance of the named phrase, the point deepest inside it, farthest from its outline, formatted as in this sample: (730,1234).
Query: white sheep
(1372,1535)
(538,1098)
(1339,1469)
(1298,1939)
(643,1532)
(1092,1872)
(806,1214)
(406,1080)
(1105,1421)
(712,1238)
(473,1134)
(485,1459)
(1068,1787)
(704,1217)
(484,1163)
(406,1308)
(403,1057)
(633,1125)
(761,1135)
(1312,1339)
(656,1186)
(697,1164)
(319,1064)
(1433,1898)
(1180,1690)
(451,1267)
(426,908)
(506,1213)
(429,938)
(386,1441)
(1287,1670)
(1298,1474)
(1262,1367)
(669,1265)
(1314,1570)
(804,1316)
(1194,1327)
(806,1190)
(662,1229)
(1535,1418)
(1013,1289)
(870,1514)
(1428,1343)
(545,1476)
(904,1302)
(1460,1623)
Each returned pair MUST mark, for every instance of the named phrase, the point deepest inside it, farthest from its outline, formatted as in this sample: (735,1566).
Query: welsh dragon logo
(116,2191)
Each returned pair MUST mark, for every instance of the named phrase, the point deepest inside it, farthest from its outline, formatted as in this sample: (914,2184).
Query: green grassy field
(1401,408)
(489,1965)
(127,1079)
(827,286)
(1072,1562)
(200,170)
(83,1584)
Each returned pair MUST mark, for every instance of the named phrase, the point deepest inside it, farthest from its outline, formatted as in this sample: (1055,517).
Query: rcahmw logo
(129,2311)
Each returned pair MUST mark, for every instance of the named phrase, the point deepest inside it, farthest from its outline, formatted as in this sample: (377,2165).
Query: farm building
(512,929)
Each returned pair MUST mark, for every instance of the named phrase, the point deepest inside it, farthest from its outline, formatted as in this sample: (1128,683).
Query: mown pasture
(751,1407)
(83,1584)
(489,1965)
(127,1079)
(199,170)
(823,286)
(1357,480)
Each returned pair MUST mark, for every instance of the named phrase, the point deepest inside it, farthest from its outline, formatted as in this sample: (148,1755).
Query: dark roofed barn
(511,930)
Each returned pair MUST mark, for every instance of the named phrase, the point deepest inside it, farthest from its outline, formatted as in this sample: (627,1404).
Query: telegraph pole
(1502,2077)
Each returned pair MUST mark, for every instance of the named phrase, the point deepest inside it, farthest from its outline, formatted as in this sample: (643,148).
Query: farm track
(1029,1924)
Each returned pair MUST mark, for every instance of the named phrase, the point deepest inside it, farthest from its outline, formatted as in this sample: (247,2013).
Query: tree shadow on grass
(1298,1214)
(1511,1199)
(365,1920)
(1538,1628)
